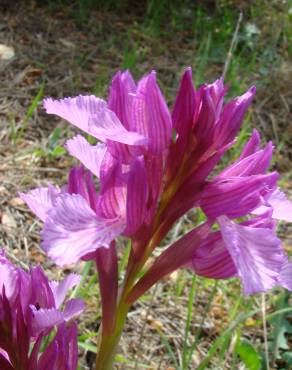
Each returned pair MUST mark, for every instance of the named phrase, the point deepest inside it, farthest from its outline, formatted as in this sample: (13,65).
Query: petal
(73,307)
(285,278)
(9,278)
(44,319)
(60,289)
(137,195)
(112,198)
(121,97)
(154,168)
(282,207)
(81,182)
(41,294)
(105,125)
(48,359)
(217,92)
(212,259)
(232,117)
(279,204)
(252,145)
(40,200)
(256,253)
(108,165)
(89,155)
(62,352)
(183,120)
(235,196)
(205,123)
(73,230)
(75,110)
(184,106)
(151,117)
(255,164)
(210,101)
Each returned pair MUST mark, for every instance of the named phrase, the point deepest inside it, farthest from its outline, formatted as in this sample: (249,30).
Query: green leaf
(58,151)
(248,354)
(87,346)
(54,137)
(34,103)
(281,325)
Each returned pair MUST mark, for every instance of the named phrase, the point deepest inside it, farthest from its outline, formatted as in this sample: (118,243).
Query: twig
(232,46)
(265,331)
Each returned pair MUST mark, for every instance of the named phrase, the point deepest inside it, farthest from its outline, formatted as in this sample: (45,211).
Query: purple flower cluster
(153,166)
(30,309)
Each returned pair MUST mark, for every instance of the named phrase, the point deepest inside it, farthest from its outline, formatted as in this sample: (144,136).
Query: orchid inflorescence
(153,167)
(30,309)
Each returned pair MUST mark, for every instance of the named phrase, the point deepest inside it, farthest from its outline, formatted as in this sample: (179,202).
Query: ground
(64,49)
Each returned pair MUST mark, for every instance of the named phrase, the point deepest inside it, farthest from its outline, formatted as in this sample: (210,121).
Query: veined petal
(285,278)
(256,253)
(40,200)
(232,117)
(60,288)
(105,125)
(62,352)
(9,278)
(212,259)
(254,164)
(205,123)
(137,195)
(210,98)
(80,182)
(282,207)
(73,308)
(108,165)
(41,294)
(44,319)
(217,92)
(113,193)
(184,106)
(75,110)
(73,230)
(252,145)
(89,155)
(151,117)
(121,97)
(48,359)
(123,152)
(154,169)
(235,196)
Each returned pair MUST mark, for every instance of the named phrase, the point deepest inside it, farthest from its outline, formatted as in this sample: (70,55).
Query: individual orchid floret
(72,226)
(30,309)
(249,250)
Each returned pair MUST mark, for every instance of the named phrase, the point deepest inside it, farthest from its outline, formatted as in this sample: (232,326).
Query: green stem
(109,342)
